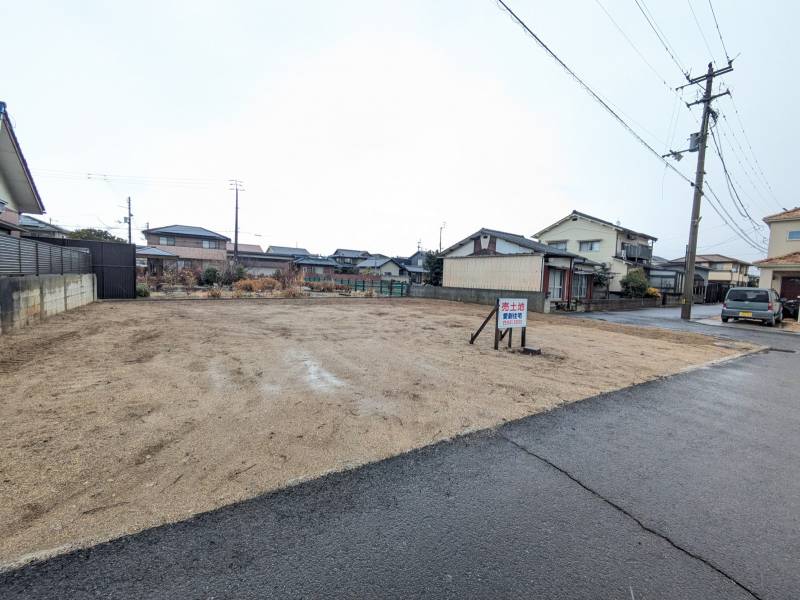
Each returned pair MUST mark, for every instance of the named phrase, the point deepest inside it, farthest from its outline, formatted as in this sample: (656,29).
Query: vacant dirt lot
(117,417)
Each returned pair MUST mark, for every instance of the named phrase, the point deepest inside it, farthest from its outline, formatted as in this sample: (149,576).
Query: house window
(166,241)
(589,246)
(556,284)
(793,236)
(735,269)
(580,286)
(560,245)
(211,244)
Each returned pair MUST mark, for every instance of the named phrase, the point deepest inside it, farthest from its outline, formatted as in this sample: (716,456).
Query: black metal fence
(113,263)
(23,256)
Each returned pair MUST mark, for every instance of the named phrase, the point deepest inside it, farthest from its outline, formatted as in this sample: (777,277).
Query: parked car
(759,304)
(790,307)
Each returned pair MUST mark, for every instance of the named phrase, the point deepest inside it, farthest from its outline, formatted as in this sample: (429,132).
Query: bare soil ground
(121,416)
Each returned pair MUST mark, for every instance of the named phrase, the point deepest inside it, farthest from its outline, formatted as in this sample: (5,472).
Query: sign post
(509,314)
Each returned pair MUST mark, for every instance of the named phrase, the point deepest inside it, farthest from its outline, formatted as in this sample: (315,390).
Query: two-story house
(617,248)
(192,247)
(18,192)
(349,259)
(413,266)
(722,270)
(781,269)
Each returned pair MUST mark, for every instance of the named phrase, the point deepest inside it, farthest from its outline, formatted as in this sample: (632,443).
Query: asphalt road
(686,487)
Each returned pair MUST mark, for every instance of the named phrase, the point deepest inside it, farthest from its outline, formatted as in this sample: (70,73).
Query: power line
(752,152)
(635,48)
(740,207)
(660,35)
(590,91)
(732,223)
(716,23)
(700,29)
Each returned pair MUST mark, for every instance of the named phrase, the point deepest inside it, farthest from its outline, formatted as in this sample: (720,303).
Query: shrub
(142,291)
(288,276)
(239,293)
(322,286)
(652,292)
(187,278)
(267,284)
(211,276)
(634,284)
(244,285)
(214,292)
(292,292)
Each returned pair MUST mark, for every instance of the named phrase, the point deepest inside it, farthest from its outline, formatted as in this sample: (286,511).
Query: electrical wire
(730,221)
(660,35)
(590,91)
(719,33)
(700,29)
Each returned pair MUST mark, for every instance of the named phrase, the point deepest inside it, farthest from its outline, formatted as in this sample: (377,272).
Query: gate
(113,263)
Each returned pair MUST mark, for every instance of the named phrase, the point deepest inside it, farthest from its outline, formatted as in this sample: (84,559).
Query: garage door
(790,287)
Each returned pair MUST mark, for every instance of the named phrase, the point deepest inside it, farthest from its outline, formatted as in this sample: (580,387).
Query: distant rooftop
(375,263)
(577,214)
(287,251)
(33,224)
(245,248)
(345,253)
(188,231)
(319,261)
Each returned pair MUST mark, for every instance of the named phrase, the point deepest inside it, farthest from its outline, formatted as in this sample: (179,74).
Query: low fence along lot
(122,416)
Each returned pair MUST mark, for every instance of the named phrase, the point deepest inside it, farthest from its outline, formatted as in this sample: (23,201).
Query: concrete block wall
(537,301)
(27,300)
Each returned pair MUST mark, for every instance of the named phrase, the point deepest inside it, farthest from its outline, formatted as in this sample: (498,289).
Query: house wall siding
(522,272)
(778,244)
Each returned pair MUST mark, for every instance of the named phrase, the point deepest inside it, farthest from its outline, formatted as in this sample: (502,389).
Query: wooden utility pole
(691,252)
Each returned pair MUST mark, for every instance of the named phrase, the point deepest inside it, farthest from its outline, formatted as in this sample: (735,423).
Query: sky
(367,125)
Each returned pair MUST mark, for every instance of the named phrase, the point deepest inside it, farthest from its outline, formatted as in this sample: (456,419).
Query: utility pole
(236,185)
(444,224)
(130,239)
(691,252)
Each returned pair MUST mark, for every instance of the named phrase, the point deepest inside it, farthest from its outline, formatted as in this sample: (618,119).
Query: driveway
(685,487)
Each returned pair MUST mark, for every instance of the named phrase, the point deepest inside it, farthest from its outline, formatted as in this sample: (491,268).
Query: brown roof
(787,215)
(776,261)
(251,248)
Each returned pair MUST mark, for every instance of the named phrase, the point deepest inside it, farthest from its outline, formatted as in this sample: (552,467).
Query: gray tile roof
(154,252)
(287,251)
(515,238)
(188,231)
(374,263)
(345,253)
(319,261)
(33,224)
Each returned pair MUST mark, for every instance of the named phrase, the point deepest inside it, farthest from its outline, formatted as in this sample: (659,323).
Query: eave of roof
(5,124)
(514,238)
(787,260)
(187,231)
(787,215)
(576,213)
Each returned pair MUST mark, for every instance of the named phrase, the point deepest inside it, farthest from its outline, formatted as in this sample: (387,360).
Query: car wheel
(770,322)
(724,319)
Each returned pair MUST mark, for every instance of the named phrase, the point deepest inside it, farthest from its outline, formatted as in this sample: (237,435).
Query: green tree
(634,284)
(97,235)
(435,267)
(210,275)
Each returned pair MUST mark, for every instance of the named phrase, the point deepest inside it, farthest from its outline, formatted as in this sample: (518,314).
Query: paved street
(686,487)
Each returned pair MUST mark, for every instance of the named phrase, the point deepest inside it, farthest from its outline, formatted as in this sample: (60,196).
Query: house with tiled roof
(193,247)
(492,259)
(619,249)
(724,270)
(781,269)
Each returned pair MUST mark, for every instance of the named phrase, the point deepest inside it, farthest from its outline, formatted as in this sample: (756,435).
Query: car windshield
(748,296)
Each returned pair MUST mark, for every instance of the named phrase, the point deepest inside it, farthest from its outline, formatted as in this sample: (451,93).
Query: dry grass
(121,416)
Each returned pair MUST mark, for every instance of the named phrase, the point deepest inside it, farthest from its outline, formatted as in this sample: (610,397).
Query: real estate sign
(512,313)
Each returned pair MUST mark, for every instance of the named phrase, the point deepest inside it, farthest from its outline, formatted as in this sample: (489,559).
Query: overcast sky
(366,124)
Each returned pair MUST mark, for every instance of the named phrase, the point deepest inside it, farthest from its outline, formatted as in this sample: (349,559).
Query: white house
(616,247)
